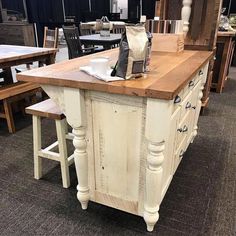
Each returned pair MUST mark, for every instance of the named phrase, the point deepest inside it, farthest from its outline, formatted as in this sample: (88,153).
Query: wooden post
(74,98)
(156,134)
(185,15)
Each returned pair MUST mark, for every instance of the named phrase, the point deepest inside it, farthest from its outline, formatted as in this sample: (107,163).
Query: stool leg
(66,126)
(37,147)
(61,136)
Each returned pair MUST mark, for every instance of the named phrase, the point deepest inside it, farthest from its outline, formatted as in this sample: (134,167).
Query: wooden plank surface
(13,53)
(46,108)
(226,33)
(97,37)
(169,73)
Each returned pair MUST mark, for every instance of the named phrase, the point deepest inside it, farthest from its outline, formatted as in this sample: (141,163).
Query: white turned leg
(185,15)
(154,171)
(81,163)
(198,109)
(61,136)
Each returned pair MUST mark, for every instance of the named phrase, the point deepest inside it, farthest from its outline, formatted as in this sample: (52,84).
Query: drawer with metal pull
(179,155)
(183,129)
(192,84)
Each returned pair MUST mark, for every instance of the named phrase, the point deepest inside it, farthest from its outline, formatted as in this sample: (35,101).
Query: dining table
(12,55)
(96,39)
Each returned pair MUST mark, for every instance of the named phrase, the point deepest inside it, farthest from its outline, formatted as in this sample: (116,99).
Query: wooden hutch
(203,27)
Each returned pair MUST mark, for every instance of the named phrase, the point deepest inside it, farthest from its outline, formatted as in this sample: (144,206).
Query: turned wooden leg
(81,163)
(198,110)
(9,116)
(37,147)
(153,190)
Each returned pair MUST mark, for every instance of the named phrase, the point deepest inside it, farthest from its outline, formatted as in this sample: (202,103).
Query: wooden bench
(13,93)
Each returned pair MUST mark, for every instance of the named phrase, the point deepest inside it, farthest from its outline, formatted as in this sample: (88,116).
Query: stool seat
(47,109)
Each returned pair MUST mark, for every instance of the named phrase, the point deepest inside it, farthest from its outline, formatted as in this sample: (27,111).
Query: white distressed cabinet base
(127,148)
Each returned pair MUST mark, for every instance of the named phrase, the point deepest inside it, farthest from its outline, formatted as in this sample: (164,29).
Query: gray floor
(201,199)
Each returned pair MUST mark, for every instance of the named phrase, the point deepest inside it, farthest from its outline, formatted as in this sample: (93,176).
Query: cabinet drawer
(183,129)
(178,156)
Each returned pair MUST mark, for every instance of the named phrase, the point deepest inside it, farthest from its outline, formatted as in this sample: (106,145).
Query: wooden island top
(169,73)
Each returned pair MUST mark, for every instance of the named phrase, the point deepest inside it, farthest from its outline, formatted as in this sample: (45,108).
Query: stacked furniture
(202,28)
(17,34)
(224,56)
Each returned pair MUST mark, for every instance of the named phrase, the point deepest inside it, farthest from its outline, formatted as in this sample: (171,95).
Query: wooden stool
(49,109)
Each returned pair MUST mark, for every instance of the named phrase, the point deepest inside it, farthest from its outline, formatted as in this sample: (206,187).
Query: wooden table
(224,55)
(93,24)
(96,39)
(16,55)
(129,136)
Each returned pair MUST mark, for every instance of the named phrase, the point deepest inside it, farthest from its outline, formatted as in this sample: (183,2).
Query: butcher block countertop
(169,73)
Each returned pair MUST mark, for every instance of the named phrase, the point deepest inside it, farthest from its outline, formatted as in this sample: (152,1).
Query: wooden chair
(50,38)
(10,94)
(118,29)
(85,29)
(48,109)
(73,42)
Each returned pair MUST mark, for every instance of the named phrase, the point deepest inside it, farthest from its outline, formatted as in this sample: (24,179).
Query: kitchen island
(129,136)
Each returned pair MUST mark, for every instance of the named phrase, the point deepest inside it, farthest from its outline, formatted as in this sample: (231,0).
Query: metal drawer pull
(177,99)
(191,83)
(183,130)
(181,153)
(188,105)
(200,72)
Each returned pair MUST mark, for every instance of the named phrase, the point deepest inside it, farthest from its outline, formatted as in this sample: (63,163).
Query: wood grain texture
(47,109)
(224,52)
(15,89)
(169,73)
(12,54)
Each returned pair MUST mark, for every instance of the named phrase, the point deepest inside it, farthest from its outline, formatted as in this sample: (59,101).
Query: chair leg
(9,116)
(61,136)
(37,147)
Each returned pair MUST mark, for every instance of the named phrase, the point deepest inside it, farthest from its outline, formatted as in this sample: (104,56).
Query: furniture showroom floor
(201,199)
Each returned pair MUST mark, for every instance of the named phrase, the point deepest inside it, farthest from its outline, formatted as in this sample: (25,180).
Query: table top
(226,33)
(98,38)
(169,73)
(112,22)
(13,53)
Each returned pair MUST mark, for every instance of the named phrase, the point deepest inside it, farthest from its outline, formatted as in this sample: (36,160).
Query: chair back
(118,29)
(85,29)
(73,41)
(50,38)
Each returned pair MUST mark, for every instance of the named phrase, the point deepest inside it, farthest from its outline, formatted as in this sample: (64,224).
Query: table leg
(154,173)
(81,162)
(50,59)
(71,101)
(8,79)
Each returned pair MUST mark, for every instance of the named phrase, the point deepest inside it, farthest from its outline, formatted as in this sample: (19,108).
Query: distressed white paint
(185,15)
(127,148)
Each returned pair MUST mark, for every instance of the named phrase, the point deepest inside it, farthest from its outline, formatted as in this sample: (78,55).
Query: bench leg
(61,136)
(37,147)
(9,116)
